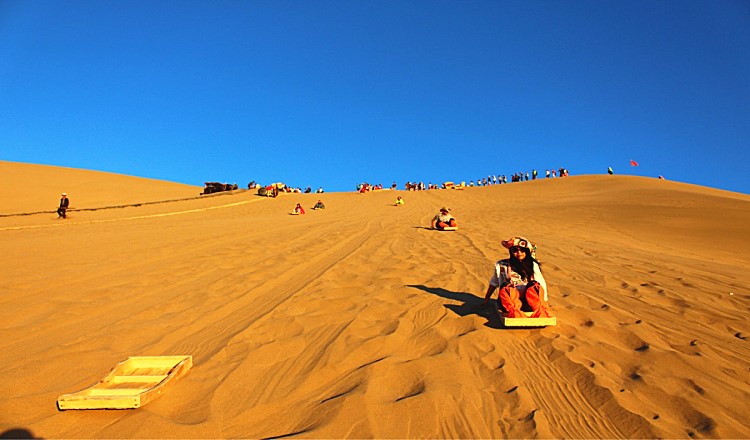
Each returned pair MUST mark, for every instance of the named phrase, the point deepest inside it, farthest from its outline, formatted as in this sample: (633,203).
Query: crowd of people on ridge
(409,185)
(484,181)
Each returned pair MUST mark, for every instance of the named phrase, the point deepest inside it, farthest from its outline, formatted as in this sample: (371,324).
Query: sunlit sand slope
(29,188)
(359,321)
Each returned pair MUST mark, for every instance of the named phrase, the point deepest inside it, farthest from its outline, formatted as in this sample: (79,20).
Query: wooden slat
(154,361)
(529,322)
(138,379)
(94,392)
(113,403)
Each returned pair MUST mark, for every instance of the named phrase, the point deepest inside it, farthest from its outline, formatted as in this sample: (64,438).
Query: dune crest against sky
(359,321)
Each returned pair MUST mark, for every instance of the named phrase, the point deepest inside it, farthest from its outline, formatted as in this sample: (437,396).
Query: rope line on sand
(129,205)
(165,214)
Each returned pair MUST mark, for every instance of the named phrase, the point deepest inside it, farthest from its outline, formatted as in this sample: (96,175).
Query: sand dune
(358,321)
(33,188)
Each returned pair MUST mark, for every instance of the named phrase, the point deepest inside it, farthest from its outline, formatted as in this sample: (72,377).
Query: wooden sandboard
(449,228)
(130,384)
(529,322)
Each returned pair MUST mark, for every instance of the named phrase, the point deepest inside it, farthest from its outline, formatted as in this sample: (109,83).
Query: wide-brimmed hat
(64,194)
(520,242)
(444,209)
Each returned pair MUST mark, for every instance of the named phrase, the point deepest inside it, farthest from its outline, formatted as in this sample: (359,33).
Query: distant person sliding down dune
(444,220)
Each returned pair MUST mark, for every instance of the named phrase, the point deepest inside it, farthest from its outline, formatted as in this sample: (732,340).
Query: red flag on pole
(633,163)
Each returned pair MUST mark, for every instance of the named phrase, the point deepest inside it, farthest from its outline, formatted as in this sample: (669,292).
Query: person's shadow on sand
(472,305)
(17,433)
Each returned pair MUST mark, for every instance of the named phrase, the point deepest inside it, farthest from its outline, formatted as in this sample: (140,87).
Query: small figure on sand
(609,171)
(319,205)
(298,209)
(64,203)
(443,220)
(399,201)
(520,280)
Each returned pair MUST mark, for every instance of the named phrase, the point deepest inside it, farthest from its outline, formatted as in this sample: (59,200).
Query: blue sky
(333,93)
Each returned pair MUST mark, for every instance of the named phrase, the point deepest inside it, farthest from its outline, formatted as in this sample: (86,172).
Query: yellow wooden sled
(131,384)
(528,322)
(447,228)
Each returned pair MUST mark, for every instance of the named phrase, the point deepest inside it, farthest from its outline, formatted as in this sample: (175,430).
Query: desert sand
(357,321)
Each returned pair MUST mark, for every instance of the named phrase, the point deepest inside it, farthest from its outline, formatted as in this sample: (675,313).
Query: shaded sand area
(358,321)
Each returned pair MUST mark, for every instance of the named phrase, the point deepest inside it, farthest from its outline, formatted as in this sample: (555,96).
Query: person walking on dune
(520,280)
(63,209)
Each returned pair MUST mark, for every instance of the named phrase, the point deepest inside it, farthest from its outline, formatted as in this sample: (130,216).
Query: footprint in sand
(685,283)
(530,417)
(697,388)
(739,335)
(681,304)
(415,390)
(688,349)
(493,361)
(704,425)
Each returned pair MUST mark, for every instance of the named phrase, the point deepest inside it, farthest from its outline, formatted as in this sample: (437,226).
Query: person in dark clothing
(64,203)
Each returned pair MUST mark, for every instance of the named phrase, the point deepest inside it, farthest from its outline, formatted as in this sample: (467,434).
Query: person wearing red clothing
(519,278)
